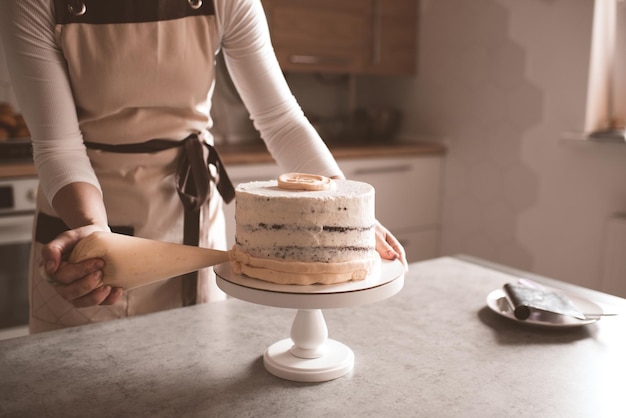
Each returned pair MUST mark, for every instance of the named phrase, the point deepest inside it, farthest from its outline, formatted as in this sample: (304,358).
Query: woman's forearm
(80,204)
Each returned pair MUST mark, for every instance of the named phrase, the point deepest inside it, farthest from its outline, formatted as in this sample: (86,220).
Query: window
(605,117)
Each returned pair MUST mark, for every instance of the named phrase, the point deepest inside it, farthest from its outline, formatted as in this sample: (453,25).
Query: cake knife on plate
(525,299)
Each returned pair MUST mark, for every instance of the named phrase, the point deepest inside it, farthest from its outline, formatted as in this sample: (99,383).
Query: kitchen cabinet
(408,199)
(394,49)
(348,36)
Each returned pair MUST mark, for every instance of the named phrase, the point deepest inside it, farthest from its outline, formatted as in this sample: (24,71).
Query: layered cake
(305,229)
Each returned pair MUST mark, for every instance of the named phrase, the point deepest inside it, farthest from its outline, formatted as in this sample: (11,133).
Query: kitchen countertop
(17,169)
(257,153)
(434,349)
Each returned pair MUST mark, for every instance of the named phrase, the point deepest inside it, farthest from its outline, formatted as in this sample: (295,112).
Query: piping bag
(131,262)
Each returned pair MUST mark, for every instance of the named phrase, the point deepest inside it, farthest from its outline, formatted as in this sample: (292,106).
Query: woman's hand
(388,246)
(80,283)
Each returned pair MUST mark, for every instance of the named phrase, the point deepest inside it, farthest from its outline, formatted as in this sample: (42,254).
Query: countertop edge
(17,169)
(244,154)
(258,153)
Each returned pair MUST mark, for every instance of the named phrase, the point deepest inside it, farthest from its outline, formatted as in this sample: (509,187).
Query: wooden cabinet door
(320,35)
(394,33)
(344,36)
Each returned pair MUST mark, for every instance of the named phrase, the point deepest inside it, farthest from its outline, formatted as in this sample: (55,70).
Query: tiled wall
(484,105)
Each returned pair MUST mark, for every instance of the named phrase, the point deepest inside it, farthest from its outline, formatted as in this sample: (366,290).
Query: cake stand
(309,355)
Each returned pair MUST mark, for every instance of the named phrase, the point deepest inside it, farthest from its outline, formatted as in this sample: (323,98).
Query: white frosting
(321,228)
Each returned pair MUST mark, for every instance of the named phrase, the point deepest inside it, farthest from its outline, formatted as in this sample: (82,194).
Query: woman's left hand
(388,246)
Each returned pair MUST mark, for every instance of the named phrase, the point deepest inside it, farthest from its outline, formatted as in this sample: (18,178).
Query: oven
(17,210)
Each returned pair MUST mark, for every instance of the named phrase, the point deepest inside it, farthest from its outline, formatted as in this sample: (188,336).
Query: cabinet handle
(388,169)
(314,59)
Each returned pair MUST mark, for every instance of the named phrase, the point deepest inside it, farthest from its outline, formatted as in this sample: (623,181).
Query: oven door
(15,239)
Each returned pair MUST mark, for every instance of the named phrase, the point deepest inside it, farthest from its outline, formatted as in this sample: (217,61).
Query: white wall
(500,81)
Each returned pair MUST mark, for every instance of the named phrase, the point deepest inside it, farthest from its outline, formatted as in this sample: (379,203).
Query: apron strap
(193,176)
(193,184)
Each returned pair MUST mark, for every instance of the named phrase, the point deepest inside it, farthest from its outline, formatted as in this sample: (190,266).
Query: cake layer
(311,254)
(305,244)
(350,204)
(301,273)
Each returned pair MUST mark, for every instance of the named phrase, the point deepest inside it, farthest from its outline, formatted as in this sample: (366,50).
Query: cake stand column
(309,333)
(309,355)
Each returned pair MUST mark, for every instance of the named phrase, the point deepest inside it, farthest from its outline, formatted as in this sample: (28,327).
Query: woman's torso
(139,70)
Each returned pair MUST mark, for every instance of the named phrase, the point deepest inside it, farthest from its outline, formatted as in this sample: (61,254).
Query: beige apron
(139,70)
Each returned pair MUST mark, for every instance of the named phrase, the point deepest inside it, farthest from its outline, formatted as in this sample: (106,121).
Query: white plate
(496,300)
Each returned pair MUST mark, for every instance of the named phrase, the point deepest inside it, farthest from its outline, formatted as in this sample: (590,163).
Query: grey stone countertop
(434,350)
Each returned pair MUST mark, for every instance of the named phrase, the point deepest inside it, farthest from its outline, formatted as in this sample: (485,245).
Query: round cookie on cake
(305,229)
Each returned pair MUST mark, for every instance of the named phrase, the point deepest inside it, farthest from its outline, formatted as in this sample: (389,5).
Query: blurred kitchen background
(501,86)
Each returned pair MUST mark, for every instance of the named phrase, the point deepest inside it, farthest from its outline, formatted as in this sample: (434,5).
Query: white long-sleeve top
(42,83)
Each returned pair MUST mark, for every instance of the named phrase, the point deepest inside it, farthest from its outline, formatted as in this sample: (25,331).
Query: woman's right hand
(78,283)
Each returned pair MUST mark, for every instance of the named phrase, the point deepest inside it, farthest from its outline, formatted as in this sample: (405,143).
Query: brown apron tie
(193,183)
(194,176)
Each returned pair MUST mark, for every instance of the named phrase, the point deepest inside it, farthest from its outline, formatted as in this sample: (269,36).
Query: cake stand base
(309,355)
(337,361)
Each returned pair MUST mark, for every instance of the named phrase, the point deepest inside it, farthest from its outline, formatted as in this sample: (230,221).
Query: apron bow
(194,176)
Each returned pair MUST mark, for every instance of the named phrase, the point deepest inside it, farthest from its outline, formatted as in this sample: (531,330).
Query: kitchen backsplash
(325,100)
(322,97)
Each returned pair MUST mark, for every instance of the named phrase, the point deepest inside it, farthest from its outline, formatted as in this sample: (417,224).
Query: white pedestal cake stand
(309,355)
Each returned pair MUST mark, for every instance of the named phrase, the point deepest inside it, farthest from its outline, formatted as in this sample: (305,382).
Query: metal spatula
(524,300)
